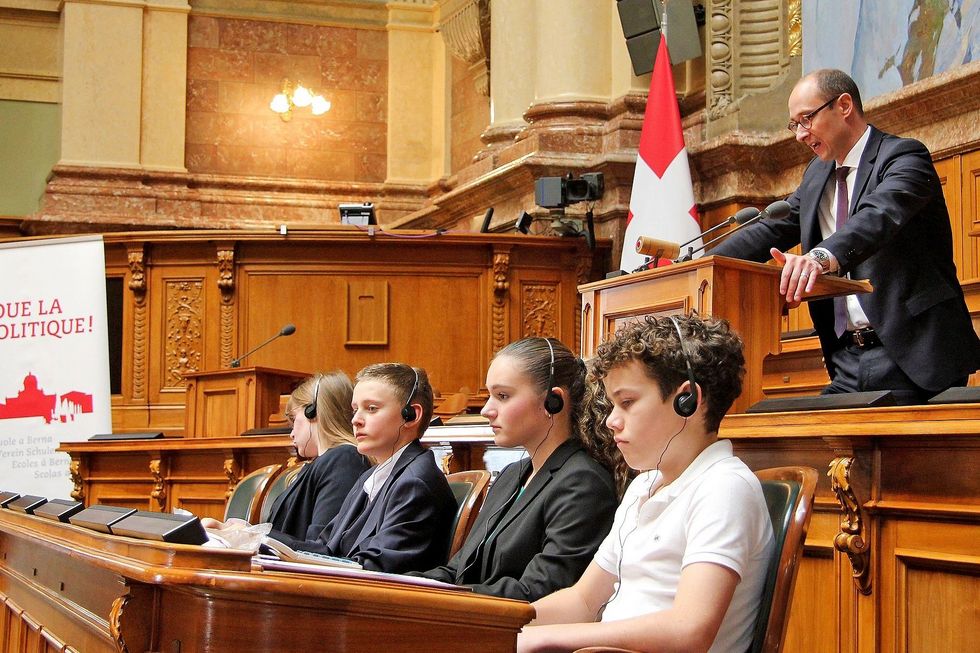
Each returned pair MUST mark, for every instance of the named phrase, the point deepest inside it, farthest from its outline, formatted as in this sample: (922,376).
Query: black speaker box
(59,509)
(7,497)
(641,21)
(268,430)
(27,503)
(100,518)
(161,526)
(875,399)
(969,395)
(138,435)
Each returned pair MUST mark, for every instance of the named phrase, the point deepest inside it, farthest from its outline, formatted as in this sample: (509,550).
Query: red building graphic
(31,401)
(73,403)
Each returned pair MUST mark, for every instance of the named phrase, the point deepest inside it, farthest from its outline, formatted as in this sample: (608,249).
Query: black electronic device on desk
(59,509)
(100,518)
(162,527)
(27,503)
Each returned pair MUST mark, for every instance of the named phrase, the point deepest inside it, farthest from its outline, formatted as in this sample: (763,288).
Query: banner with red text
(54,377)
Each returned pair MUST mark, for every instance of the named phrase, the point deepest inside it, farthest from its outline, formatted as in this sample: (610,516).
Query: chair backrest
(277,487)
(789,495)
(451,405)
(469,488)
(246,498)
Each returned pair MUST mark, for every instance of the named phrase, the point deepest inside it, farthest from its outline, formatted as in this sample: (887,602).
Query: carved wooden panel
(137,284)
(184,301)
(226,286)
(540,305)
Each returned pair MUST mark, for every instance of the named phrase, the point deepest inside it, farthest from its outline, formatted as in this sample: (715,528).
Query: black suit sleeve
(413,519)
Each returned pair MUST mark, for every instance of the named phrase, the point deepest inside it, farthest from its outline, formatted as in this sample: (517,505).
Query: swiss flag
(662,199)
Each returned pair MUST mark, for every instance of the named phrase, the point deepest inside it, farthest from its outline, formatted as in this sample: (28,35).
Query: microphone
(656,248)
(776,211)
(486,221)
(287,330)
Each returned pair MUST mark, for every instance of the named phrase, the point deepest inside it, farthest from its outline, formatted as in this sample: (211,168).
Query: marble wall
(234,67)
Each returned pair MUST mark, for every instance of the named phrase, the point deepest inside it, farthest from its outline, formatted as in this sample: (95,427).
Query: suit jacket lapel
(412,451)
(811,192)
(538,483)
(865,167)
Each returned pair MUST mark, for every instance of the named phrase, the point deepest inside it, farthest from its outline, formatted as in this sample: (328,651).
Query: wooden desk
(196,474)
(66,588)
(892,557)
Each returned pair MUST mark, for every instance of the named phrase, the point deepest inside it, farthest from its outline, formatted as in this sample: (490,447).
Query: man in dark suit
(870,206)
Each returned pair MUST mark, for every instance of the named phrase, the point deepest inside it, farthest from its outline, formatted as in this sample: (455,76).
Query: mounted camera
(559,192)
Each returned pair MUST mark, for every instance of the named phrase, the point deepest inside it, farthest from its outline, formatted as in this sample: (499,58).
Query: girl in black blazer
(319,410)
(545,515)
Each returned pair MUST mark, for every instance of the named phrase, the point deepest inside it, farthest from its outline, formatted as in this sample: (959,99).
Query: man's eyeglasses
(806,120)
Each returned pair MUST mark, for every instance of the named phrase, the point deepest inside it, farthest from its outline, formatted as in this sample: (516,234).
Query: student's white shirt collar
(713,453)
(381,473)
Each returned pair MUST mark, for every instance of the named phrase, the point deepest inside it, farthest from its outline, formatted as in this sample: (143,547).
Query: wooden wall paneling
(813,612)
(130,407)
(433,314)
(970,198)
(196,299)
(953,183)
(366,313)
(228,332)
(930,582)
(120,479)
(197,481)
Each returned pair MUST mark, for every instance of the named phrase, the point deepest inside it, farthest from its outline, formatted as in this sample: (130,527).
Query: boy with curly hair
(683,567)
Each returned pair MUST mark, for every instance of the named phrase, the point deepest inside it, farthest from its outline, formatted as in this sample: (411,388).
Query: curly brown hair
(712,347)
(597,436)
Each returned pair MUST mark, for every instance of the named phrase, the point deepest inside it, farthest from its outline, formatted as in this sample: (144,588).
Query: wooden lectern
(224,403)
(745,293)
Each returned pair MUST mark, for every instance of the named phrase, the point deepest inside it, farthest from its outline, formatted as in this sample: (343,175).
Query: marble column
(102,82)
(124,82)
(164,105)
(418,87)
(572,50)
(512,72)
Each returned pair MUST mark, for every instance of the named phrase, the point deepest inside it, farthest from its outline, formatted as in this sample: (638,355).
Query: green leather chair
(789,497)
(469,488)
(246,498)
(277,487)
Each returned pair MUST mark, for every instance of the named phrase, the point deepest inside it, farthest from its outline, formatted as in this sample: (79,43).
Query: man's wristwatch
(822,259)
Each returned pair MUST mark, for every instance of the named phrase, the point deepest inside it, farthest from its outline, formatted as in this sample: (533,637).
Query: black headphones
(553,402)
(685,403)
(408,413)
(310,409)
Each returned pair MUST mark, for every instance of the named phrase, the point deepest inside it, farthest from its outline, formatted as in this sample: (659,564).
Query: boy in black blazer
(398,515)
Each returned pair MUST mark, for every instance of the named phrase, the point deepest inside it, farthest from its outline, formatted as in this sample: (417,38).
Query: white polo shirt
(714,512)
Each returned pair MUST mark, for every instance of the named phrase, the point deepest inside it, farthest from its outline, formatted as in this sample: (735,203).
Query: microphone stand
(692,251)
(238,361)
